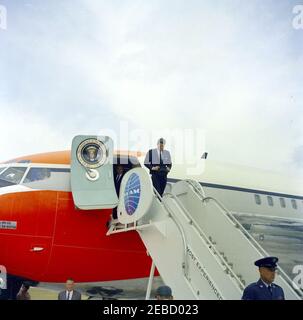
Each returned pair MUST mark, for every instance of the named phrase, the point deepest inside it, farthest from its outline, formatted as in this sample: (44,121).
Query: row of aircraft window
(14,175)
(270,201)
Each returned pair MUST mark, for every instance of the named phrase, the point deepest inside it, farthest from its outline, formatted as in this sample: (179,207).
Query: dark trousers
(159,182)
(115,213)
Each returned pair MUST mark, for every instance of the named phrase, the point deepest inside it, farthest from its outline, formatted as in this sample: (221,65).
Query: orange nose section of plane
(50,240)
(58,157)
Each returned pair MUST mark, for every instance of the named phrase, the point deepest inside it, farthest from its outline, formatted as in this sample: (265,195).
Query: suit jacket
(259,291)
(118,183)
(152,159)
(76,295)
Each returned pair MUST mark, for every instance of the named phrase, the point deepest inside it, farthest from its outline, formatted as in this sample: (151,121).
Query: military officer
(265,289)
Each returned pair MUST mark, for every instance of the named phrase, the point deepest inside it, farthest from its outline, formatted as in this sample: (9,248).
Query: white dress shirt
(267,285)
(69,295)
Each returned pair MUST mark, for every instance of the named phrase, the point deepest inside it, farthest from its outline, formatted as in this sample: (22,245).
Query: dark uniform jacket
(259,291)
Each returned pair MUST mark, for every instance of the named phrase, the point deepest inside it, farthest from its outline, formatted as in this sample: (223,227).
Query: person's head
(119,169)
(267,268)
(267,274)
(70,284)
(164,293)
(161,144)
(25,286)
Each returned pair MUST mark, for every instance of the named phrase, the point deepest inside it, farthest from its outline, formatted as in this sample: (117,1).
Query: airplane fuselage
(44,237)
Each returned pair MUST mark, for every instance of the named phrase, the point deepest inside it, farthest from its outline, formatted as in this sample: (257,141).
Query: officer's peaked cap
(268,262)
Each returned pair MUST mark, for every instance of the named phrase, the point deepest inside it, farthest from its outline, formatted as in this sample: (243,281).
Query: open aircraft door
(92,179)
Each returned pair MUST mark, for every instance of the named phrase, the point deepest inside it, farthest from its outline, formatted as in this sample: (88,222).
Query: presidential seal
(92,153)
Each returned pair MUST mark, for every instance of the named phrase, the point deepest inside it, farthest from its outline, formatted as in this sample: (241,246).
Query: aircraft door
(92,180)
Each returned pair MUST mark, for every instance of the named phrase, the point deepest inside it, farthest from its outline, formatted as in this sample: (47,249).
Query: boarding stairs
(199,248)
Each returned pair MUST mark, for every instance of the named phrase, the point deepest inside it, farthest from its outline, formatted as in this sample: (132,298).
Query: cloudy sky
(232,68)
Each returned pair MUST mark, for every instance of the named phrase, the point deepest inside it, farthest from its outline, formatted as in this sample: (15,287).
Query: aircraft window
(270,201)
(294,204)
(257,199)
(13,175)
(37,174)
(282,202)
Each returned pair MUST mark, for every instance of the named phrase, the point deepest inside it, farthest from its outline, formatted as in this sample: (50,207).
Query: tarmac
(110,290)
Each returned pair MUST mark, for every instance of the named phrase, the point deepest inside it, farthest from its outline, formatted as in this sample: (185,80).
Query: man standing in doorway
(158,161)
(118,179)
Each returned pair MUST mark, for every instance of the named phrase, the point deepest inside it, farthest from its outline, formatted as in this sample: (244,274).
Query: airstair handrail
(238,225)
(179,226)
(208,242)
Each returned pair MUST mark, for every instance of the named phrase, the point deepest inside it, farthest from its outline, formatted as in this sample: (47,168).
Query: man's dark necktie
(270,289)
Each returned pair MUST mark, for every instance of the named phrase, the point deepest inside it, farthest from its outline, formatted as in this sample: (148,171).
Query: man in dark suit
(158,161)
(69,293)
(118,178)
(265,289)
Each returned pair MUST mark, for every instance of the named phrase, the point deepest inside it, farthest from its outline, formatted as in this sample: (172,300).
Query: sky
(230,68)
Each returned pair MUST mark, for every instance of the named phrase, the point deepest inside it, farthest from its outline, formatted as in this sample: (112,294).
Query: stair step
(212,241)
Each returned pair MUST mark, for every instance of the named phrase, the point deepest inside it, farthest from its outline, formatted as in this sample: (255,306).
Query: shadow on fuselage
(281,238)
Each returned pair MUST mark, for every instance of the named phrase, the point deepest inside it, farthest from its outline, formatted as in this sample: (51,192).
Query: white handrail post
(150,281)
